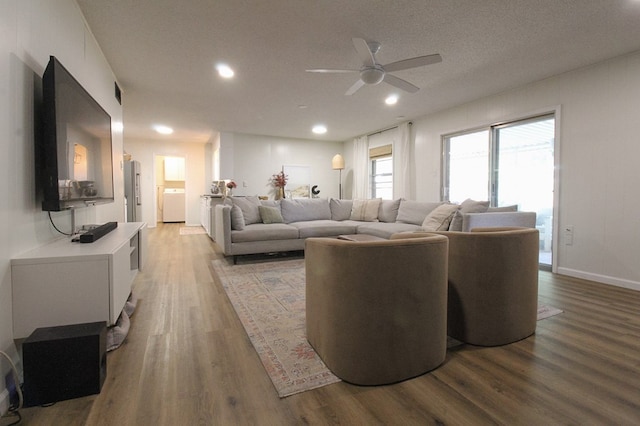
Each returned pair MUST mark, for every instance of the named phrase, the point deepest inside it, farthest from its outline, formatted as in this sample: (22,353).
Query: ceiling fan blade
(400,83)
(329,70)
(364,52)
(418,61)
(353,89)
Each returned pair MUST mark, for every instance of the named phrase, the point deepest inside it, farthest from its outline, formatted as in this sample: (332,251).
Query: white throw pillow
(365,210)
(439,218)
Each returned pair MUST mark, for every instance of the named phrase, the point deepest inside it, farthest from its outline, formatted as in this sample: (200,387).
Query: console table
(66,282)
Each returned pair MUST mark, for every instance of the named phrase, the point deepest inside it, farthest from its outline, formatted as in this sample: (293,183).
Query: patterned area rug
(269,298)
(545,311)
(192,230)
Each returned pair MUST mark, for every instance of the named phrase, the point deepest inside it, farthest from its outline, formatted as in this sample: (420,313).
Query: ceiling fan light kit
(372,73)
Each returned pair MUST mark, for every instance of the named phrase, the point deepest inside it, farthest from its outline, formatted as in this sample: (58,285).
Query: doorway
(170,176)
(508,164)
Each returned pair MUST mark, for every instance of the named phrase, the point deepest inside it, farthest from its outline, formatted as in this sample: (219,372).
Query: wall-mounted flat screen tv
(74,155)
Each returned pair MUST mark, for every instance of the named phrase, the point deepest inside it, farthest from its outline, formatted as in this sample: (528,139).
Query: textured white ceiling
(163,53)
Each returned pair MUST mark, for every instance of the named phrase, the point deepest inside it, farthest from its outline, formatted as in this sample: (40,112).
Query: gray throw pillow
(340,209)
(270,214)
(237,219)
(388,211)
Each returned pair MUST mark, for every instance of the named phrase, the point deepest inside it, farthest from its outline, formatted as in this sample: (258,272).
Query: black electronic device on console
(97,233)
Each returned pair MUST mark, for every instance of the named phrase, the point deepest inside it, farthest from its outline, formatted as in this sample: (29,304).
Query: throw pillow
(467,206)
(365,210)
(237,219)
(340,209)
(439,218)
(388,211)
(270,214)
(249,207)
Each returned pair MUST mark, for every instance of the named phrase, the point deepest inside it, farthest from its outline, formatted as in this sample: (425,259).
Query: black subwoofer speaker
(64,362)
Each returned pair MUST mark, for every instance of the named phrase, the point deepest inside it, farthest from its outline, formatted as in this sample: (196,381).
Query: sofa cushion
(365,210)
(237,219)
(467,206)
(388,211)
(301,209)
(511,208)
(439,218)
(340,209)
(324,228)
(414,212)
(264,232)
(385,230)
(270,214)
(249,207)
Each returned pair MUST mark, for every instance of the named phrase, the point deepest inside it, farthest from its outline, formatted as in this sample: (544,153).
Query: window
(381,172)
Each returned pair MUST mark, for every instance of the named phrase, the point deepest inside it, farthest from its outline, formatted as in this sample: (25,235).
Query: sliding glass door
(508,164)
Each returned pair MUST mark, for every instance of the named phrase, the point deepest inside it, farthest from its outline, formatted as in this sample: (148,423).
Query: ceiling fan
(373,73)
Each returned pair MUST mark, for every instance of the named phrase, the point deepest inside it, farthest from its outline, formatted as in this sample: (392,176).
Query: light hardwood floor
(188,361)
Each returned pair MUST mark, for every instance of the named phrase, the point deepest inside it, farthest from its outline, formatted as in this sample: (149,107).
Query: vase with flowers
(279,181)
(230,186)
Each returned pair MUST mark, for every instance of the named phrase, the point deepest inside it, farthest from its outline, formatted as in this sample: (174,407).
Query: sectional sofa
(248,225)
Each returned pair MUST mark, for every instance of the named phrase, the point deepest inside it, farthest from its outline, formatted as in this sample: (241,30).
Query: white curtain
(360,168)
(402,162)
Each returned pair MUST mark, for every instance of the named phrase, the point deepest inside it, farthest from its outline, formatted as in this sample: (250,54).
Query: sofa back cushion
(388,211)
(302,209)
(340,209)
(414,212)
(249,207)
(467,206)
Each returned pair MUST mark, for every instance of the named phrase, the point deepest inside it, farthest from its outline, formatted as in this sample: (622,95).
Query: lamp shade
(337,162)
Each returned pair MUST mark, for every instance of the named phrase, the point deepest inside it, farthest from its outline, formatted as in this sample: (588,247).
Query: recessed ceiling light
(391,100)
(164,130)
(225,71)
(319,129)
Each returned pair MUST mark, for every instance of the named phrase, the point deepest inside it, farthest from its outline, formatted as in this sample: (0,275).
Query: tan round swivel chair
(493,285)
(376,310)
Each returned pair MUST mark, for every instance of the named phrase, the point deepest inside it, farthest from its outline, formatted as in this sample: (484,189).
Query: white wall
(197,161)
(30,31)
(599,144)
(252,160)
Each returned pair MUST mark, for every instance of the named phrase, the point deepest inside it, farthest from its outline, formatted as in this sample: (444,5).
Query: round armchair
(376,310)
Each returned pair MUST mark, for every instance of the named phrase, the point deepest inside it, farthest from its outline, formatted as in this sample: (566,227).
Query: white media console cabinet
(66,282)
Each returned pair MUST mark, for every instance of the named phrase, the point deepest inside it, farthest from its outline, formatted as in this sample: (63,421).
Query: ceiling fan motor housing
(372,75)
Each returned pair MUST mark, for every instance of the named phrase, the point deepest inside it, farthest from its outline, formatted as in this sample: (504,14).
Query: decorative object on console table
(230,186)
(279,181)
(337,163)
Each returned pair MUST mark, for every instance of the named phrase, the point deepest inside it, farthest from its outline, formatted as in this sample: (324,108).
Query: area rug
(192,230)
(269,298)
(545,311)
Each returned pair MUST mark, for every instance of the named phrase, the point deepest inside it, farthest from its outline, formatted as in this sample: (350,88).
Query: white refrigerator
(132,191)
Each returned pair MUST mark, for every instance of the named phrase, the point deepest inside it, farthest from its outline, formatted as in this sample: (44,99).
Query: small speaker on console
(64,362)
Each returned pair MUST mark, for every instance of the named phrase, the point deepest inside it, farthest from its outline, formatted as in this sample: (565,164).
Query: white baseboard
(4,402)
(605,279)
